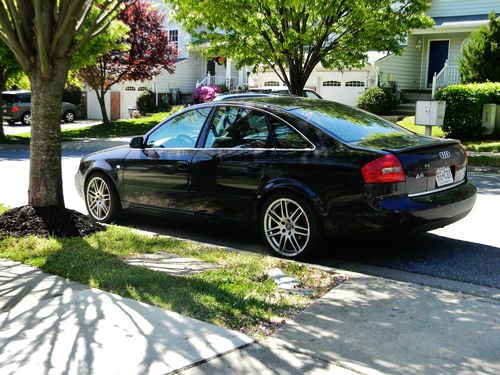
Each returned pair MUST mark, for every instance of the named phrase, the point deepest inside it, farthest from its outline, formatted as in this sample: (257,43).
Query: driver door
(158,176)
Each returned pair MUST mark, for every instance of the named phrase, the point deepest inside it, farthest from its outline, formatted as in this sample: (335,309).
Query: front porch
(429,61)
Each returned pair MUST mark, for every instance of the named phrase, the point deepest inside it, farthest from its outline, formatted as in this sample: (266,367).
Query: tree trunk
(45,185)
(297,81)
(101,95)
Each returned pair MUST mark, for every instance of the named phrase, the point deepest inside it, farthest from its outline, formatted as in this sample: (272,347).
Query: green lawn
(238,296)
(409,123)
(482,145)
(119,128)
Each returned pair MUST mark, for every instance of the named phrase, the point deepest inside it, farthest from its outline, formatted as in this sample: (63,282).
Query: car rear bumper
(429,211)
(413,214)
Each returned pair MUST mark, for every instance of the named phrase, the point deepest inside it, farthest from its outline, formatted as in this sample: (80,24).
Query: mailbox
(430,113)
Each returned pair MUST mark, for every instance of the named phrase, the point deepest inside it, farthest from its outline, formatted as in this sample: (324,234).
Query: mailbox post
(429,114)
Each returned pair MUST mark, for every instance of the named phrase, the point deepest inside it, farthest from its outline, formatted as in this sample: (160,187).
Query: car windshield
(346,123)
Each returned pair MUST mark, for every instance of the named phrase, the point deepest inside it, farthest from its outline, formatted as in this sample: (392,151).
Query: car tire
(26,119)
(101,198)
(69,116)
(289,226)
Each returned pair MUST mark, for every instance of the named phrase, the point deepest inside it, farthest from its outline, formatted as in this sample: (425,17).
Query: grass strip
(238,296)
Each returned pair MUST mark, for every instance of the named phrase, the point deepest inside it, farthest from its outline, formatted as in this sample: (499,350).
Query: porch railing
(232,82)
(449,75)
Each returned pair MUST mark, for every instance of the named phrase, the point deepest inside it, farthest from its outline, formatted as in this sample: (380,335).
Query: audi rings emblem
(445,154)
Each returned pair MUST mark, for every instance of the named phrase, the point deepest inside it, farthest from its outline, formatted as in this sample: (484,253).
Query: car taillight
(465,153)
(386,169)
(15,109)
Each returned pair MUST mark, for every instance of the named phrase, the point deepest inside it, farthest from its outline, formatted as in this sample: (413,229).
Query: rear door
(158,176)
(229,170)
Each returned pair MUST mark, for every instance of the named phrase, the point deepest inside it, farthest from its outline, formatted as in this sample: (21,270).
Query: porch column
(228,74)
(242,71)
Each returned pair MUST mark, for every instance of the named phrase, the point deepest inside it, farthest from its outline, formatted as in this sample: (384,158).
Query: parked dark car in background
(307,93)
(16,107)
(297,168)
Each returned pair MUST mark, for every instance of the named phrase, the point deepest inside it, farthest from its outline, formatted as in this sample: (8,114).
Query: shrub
(376,100)
(205,94)
(464,105)
(146,102)
(481,54)
(222,88)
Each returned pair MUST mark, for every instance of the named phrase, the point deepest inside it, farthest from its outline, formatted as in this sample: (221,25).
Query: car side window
(285,137)
(234,127)
(311,94)
(182,131)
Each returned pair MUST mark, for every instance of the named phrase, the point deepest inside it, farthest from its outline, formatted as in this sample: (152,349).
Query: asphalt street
(467,251)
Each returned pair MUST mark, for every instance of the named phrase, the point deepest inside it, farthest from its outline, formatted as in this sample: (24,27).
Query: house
(430,58)
(191,70)
(427,63)
(343,87)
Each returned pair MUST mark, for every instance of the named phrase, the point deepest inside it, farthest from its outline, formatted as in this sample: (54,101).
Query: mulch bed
(47,221)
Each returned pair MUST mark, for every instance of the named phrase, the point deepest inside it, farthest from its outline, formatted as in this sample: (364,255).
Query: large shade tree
(481,54)
(143,54)
(44,36)
(293,36)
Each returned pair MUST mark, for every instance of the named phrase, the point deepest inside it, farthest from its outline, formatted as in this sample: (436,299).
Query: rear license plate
(443,176)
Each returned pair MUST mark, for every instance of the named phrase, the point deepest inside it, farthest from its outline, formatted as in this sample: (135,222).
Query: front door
(158,176)
(438,54)
(228,172)
(211,67)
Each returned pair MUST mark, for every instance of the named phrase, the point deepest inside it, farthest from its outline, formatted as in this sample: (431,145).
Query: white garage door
(344,88)
(129,98)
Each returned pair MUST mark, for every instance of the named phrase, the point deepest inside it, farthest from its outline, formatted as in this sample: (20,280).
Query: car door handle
(182,165)
(255,167)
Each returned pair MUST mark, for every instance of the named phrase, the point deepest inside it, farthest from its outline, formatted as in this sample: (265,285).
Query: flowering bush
(205,94)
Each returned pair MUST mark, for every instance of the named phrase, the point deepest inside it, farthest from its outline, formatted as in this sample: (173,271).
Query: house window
(271,83)
(354,84)
(332,83)
(173,37)
(130,88)
(142,88)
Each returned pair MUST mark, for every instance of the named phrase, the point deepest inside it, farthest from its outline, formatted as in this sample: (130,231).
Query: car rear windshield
(346,123)
(8,98)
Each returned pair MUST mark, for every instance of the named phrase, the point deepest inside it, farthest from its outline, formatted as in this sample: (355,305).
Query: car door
(158,175)
(230,168)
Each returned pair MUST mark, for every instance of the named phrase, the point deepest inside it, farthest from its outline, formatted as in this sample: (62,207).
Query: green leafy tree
(9,68)
(293,36)
(481,54)
(45,36)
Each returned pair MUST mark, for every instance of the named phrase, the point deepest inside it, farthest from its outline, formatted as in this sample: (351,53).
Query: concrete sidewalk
(49,325)
(371,325)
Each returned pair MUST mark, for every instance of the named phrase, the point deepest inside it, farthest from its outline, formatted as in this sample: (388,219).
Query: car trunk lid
(432,166)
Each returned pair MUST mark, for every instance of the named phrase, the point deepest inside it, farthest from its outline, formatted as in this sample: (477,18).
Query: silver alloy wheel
(98,198)
(286,227)
(27,118)
(70,117)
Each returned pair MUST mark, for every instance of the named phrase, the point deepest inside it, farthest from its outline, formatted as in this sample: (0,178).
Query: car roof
(281,102)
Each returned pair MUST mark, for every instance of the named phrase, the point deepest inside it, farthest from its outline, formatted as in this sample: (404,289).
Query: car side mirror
(137,142)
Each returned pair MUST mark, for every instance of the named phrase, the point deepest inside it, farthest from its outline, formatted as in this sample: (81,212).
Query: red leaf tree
(149,53)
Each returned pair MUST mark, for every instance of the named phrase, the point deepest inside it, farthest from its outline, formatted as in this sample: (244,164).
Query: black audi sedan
(296,168)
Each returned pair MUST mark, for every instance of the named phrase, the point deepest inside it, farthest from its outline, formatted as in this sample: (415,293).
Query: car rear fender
(291,185)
